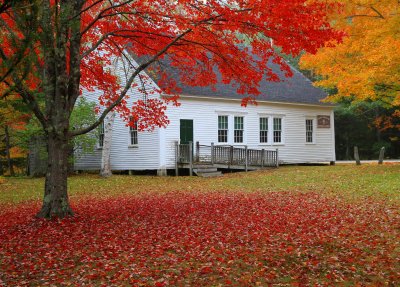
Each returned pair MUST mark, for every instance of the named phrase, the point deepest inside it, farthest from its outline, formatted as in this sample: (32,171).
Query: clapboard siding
(204,113)
(146,155)
(156,150)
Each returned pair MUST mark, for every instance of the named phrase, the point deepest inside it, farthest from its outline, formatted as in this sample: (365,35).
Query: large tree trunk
(8,154)
(105,170)
(55,202)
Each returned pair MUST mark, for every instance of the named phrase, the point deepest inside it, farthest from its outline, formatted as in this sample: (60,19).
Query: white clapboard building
(289,118)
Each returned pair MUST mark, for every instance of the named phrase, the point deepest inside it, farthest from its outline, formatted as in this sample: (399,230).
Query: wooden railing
(231,156)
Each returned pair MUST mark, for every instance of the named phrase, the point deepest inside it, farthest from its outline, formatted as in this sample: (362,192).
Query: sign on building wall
(323,121)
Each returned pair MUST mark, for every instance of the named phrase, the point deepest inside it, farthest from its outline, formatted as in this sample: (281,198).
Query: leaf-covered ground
(210,232)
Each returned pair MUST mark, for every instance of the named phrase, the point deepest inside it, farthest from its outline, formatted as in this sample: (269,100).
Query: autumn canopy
(53,50)
(366,64)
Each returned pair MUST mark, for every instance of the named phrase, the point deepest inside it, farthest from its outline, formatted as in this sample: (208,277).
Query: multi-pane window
(263,130)
(238,131)
(101,134)
(277,134)
(133,132)
(222,129)
(309,131)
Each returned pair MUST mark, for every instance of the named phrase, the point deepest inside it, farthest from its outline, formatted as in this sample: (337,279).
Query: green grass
(348,236)
(352,182)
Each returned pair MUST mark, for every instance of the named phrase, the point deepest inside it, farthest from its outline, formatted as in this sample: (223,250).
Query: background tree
(13,119)
(68,46)
(363,70)
(105,169)
(365,66)
(356,125)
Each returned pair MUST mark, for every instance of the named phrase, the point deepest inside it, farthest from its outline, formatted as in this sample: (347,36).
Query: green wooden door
(186,131)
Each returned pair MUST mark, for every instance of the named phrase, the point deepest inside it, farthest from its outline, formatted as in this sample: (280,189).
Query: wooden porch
(223,156)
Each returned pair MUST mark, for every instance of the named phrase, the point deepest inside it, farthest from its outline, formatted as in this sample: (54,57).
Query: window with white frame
(222,129)
(238,129)
(309,131)
(133,132)
(101,134)
(277,131)
(264,130)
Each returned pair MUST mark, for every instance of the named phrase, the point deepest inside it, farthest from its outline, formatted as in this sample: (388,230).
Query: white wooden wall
(294,149)
(156,150)
(144,156)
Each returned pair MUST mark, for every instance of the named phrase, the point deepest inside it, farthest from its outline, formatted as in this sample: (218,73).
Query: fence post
(197,151)
(262,157)
(246,158)
(357,156)
(381,155)
(230,156)
(277,158)
(212,153)
(176,158)
(190,158)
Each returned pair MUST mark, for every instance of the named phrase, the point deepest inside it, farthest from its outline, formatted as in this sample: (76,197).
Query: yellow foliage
(367,64)
(2,180)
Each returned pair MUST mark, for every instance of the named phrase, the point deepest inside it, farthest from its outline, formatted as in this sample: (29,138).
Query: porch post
(212,153)
(176,158)
(262,157)
(246,158)
(230,156)
(277,158)
(191,158)
(197,151)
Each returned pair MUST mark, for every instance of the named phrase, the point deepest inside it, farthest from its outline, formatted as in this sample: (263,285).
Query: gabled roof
(296,89)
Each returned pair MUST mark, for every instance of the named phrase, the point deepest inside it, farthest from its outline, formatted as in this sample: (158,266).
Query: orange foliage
(366,64)
(384,122)
(17,152)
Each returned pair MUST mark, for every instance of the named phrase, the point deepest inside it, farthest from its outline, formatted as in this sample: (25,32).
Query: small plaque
(323,121)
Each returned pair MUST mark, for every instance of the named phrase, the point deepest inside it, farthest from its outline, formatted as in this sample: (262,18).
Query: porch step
(209,174)
(206,171)
(202,165)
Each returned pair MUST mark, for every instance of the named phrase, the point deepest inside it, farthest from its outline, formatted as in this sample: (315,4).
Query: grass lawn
(295,226)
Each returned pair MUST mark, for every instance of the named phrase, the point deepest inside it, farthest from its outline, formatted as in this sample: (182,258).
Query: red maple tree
(51,50)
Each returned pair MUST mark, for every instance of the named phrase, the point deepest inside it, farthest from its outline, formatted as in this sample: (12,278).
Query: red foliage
(198,37)
(203,240)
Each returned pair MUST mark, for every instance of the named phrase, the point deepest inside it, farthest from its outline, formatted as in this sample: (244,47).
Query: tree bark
(106,151)
(55,202)
(8,154)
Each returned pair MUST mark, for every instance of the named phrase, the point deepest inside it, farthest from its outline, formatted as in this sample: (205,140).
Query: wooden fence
(226,155)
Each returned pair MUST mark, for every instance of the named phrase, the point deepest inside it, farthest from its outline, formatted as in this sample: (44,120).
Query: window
(309,131)
(222,129)
(277,135)
(238,131)
(133,132)
(101,134)
(263,130)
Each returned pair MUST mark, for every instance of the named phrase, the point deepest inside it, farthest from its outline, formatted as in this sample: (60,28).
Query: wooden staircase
(205,170)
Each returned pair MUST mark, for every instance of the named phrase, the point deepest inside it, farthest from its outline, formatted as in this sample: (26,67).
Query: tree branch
(377,12)
(86,9)
(101,15)
(128,86)
(29,99)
